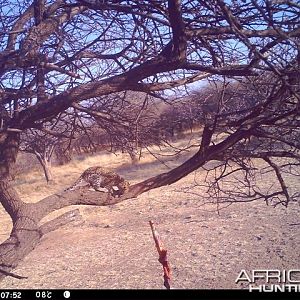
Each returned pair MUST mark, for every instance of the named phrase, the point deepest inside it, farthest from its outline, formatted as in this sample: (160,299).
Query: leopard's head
(120,188)
(124,186)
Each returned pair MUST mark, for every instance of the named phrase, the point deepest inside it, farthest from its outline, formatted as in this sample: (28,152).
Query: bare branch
(280,179)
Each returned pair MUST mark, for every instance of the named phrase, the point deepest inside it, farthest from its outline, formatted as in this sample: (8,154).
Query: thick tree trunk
(24,235)
(9,145)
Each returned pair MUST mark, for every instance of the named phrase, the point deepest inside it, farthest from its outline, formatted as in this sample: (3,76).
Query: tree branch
(66,218)
(280,179)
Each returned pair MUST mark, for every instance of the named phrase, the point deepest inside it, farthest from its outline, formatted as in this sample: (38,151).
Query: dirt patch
(113,246)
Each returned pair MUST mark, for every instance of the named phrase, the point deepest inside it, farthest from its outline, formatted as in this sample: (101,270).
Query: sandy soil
(113,247)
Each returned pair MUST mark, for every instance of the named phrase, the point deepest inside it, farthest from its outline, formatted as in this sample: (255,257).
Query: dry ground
(113,248)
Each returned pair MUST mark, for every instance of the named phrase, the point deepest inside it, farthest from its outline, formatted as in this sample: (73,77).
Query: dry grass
(32,186)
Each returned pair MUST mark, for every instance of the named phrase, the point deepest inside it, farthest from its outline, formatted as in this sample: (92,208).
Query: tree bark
(24,235)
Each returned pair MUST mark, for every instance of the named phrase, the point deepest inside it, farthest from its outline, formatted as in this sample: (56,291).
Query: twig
(162,256)
(294,224)
(6,273)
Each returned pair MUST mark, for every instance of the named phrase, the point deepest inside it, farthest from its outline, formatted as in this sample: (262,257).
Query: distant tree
(52,138)
(62,152)
(122,121)
(42,146)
